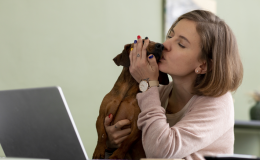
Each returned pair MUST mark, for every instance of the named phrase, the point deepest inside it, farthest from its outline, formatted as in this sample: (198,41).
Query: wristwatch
(144,85)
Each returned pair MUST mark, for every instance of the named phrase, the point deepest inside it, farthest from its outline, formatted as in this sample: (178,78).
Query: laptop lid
(37,123)
(4,158)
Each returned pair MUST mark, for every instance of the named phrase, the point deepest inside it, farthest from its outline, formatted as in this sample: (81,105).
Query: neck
(181,92)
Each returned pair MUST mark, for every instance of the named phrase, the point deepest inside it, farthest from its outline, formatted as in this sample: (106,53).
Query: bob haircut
(219,49)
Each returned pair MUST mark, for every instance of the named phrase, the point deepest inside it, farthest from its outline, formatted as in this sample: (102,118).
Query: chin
(161,67)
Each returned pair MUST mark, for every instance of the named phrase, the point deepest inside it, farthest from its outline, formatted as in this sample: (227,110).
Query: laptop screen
(37,123)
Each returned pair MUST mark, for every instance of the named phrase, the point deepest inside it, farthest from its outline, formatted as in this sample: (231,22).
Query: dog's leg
(99,152)
(111,107)
(134,135)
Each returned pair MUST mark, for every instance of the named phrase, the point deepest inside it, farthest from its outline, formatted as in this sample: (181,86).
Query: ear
(123,58)
(163,78)
(202,68)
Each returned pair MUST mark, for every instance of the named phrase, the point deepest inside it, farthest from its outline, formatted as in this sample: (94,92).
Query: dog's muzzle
(157,52)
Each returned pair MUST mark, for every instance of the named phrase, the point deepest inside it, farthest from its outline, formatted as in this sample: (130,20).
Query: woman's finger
(120,140)
(121,124)
(108,120)
(131,56)
(134,54)
(118,134)
(139,48)
(152,62)
(144,52)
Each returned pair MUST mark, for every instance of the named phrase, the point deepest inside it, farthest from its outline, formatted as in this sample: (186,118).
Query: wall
(243,18)
(71,44)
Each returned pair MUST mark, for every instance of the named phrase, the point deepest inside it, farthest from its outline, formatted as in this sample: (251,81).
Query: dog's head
(153,48)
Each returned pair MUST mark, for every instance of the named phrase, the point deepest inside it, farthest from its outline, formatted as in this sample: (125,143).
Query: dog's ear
(163,78)
(123,58)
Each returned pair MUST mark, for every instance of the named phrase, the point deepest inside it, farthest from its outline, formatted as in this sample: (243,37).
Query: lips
(162,58)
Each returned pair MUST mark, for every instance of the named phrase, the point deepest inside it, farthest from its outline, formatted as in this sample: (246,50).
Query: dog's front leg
(99,152)
(109,105)
(131,139)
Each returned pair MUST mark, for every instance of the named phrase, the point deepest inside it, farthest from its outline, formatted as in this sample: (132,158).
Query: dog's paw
(117,155)
(99,153)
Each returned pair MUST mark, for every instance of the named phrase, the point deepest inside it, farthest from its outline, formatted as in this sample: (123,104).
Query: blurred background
(71,44)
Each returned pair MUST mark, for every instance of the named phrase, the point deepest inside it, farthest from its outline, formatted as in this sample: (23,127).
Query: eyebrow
(182,37)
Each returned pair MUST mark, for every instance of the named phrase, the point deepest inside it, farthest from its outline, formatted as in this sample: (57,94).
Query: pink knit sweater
(204,127)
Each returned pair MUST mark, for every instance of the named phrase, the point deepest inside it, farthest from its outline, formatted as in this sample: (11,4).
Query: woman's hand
(141,66)
(115,135)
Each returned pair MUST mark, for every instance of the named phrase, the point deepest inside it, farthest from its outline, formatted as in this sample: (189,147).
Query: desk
(247,124)
(247,137)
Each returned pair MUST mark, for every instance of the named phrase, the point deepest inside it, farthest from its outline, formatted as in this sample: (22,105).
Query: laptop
(37,123)
(4,158)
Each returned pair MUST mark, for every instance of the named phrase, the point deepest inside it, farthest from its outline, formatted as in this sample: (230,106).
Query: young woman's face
(181,50)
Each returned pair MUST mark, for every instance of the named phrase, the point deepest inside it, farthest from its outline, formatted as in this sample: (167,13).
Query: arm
(208,119)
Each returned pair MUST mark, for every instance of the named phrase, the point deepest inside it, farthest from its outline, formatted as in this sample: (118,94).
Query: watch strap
(153,83)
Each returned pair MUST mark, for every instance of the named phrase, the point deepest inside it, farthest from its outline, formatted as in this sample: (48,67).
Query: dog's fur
(122,104)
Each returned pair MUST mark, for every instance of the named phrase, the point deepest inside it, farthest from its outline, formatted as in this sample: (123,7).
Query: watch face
(143,86)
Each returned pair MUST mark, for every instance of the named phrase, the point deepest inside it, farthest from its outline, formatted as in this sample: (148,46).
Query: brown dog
(122,104)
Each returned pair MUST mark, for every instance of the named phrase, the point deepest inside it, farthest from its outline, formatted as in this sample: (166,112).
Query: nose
(159,46)
(167,45)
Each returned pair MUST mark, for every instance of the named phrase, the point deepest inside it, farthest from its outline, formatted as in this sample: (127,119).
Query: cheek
(179,64)
(179,60)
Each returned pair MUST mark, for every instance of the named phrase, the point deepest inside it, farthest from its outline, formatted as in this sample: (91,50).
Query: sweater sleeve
(206,121)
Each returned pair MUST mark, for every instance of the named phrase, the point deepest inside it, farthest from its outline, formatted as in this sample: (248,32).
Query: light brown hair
(219,49)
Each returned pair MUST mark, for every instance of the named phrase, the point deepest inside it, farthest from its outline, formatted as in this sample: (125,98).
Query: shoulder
(225,100)
(213,105)
(214,111)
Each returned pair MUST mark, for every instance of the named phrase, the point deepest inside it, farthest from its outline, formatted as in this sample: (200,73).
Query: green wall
(243,17)
(72,43)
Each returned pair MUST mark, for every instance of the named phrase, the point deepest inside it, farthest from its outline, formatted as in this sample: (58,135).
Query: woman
(193,116)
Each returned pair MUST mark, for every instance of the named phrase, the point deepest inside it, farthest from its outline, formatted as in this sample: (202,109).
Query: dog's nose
(159,46)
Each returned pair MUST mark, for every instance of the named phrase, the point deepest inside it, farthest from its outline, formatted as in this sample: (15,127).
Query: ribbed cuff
(148,98)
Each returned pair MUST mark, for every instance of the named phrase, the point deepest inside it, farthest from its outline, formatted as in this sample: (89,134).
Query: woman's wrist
(144,85)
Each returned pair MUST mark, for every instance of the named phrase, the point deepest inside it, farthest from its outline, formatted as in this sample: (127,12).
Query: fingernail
(138,37)
(146,37)
(151,56)
(135,41)
(109,115)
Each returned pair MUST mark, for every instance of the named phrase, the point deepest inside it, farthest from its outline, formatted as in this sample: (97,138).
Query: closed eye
(178,43)
(181,46)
